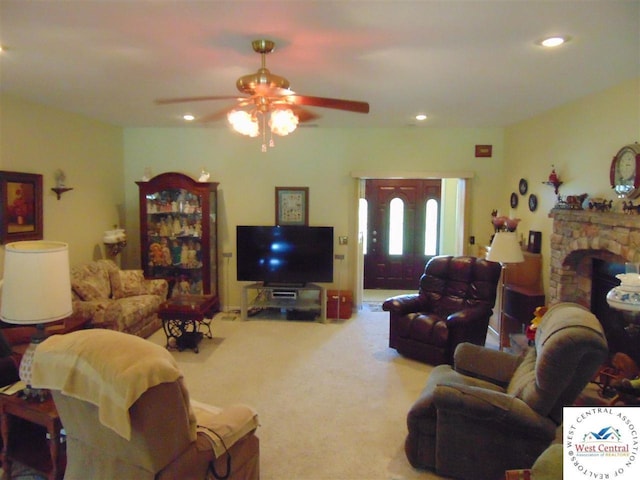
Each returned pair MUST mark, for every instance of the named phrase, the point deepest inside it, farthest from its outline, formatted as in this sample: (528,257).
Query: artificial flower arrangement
(530,332)
(502,223)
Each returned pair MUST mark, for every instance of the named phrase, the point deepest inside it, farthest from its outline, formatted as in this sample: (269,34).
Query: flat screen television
(285,255)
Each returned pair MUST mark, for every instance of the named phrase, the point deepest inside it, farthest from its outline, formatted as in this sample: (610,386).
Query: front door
(402,231)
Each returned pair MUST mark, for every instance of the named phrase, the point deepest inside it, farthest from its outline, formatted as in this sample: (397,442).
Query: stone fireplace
(580,240)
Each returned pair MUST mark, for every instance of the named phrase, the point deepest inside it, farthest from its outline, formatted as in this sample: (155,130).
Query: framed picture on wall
(21,209)
(292,205)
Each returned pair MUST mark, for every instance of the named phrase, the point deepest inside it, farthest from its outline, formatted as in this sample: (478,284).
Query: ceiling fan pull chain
(264,136)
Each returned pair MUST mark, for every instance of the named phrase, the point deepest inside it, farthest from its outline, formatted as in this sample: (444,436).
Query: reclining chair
(494,411)
(127,413)
(453,305)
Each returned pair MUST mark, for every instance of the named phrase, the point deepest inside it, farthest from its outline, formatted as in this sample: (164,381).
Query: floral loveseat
(117,299)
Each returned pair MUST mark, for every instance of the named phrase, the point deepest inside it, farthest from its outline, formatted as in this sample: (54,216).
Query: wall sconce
(114,241)
(553,180)
(60,187)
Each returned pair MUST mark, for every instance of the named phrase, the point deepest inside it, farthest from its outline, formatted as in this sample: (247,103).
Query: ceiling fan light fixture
(243,123)
(283,122)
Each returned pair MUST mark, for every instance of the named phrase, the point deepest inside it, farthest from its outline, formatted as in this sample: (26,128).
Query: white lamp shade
(36,287)
(505,248)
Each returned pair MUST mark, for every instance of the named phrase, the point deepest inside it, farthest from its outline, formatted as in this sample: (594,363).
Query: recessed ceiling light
(188,117)
(554,41)
(421,117)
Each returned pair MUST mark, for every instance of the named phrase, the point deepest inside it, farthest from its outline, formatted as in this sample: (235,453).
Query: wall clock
(514,200)
(523,186)
(533,202)
(624,172)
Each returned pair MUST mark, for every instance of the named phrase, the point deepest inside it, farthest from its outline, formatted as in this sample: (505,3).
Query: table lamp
(504,249)
(36,289)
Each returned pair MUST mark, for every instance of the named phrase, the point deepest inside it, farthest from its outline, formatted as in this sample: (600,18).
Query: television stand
(290,302)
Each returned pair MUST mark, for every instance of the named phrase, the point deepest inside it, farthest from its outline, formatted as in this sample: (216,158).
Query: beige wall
(321,159)
(580,139)
(102,163)
(38,139)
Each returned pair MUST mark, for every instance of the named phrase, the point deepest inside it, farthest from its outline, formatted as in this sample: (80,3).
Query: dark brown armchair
(453,305)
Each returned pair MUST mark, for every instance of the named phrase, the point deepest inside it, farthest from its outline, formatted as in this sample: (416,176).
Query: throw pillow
(126,283)
(88,289)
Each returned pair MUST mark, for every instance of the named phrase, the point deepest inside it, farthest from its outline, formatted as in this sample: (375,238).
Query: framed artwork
(484,151)
(21,209)
(292,205)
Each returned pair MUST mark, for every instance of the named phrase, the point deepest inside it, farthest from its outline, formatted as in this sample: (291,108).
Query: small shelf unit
(290,302)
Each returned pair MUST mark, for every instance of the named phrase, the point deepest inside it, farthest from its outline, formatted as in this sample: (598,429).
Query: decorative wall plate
(514,200)
(533,203)
(523,186)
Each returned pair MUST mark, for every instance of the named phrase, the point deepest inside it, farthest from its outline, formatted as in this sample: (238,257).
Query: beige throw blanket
(106,368)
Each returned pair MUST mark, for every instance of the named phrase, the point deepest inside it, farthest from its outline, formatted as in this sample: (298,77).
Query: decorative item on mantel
(571,202)
(600,204)
(61,180)
(630,208)
(553,180)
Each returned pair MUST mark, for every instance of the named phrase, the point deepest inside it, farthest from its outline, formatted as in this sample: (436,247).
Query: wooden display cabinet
(179,234)
(523,293)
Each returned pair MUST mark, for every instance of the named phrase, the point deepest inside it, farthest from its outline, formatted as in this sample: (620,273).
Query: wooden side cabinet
(521,295)
(519,305)
(179,233)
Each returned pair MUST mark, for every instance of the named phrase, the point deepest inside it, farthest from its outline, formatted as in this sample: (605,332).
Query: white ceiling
(463,63)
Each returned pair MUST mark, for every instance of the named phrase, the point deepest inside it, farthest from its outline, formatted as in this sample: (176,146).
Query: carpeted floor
(372,306)
(332,398)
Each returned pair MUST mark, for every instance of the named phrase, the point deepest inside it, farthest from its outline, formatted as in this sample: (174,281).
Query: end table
(31,434)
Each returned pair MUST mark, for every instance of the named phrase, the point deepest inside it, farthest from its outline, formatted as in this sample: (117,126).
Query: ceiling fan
(268,95)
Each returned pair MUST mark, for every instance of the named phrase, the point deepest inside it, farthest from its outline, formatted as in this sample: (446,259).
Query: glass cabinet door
(174,239)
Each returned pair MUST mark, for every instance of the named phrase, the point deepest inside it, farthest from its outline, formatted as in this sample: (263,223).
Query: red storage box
(343,298)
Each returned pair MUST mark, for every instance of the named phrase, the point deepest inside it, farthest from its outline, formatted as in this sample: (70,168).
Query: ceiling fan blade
(214,117)
(303,115)
(335,103)
(165,101)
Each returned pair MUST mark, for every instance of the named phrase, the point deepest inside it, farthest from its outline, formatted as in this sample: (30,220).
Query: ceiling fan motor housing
(262,78)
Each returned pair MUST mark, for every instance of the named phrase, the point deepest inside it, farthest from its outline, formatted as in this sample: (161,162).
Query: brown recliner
(495,411)
(136,421)
(453,305)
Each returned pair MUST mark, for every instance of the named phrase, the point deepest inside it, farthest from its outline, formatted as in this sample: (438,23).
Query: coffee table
(183,318)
